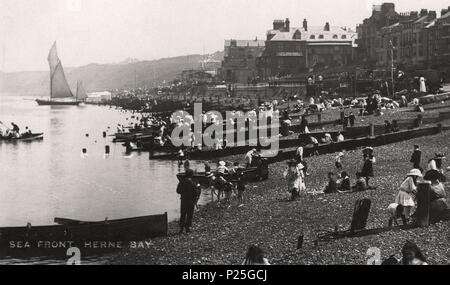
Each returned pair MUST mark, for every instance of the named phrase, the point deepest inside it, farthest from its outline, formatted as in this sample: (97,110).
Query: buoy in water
(84,151)
(87,135)
(104,134)
(107,149)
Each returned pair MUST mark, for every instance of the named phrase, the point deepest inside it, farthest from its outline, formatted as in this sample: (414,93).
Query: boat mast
(76,94)
(51,84)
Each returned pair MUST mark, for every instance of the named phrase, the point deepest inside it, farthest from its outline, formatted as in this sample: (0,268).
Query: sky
(109,31)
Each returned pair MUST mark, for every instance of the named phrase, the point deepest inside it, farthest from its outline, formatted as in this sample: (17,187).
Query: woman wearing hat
(294,176)
(408,188)
(369,160)
(438,202)
(436,164)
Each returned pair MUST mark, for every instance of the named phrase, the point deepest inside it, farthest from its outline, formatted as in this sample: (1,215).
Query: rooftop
(314,34)
(246,43)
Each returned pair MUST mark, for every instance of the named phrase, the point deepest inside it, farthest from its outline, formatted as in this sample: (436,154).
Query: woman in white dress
(295,178)
(408,189)
(422,86)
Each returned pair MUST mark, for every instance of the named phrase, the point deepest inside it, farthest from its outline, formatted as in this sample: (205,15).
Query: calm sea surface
(44,179)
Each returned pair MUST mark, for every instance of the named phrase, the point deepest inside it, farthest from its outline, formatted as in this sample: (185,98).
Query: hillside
(99,77)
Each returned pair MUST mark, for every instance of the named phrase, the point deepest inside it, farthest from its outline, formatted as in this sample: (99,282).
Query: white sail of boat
(59,88)
(81,92)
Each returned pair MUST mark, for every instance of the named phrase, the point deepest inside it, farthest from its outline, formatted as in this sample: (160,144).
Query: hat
(189,173)
(341,154)
(292,162)
(439,155)
(300,166)
(222,163)
(415,172)
(369,148)
(432,175)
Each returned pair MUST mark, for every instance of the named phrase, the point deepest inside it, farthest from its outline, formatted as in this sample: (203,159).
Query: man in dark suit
(187,189)
(416,157)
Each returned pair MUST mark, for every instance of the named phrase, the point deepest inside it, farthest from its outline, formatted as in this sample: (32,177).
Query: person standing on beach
(369,160)
(416,157)
(187,190)
(294,176)
(304,125)
(315,144)
(351,118)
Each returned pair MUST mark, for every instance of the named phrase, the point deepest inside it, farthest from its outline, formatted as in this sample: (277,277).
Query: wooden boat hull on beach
(80,234)
(57,103)
(32,137)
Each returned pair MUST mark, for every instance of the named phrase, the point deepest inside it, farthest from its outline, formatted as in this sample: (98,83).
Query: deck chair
(360,214)
(359,221)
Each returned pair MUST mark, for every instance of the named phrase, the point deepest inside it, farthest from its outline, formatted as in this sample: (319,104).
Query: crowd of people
(223,182)
(406,199)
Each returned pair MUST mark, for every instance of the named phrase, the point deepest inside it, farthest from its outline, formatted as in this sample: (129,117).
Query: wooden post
(419,121)
(372,130)
(423,204)
(439,128)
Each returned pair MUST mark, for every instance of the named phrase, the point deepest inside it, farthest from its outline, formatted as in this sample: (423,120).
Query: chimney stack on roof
(387,7)
(431,15)
(413,14)
(327,27)
(286,25)
(423,12)
(305,24)
(443,12)
(278,24)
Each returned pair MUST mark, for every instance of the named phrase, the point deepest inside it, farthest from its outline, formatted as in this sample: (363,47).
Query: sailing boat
(59,88)
(81,94)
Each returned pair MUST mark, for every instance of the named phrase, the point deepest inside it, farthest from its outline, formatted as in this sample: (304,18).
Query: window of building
(312,37)
(335,36)
(344,37)
(320,36)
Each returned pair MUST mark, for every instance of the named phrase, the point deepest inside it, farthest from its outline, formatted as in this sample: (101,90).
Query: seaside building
(240,60)
(438,42)
(294,50)
(415,40)
(369,39)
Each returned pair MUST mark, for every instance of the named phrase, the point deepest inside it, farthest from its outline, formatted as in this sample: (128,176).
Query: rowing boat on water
(79,233)
(31,137)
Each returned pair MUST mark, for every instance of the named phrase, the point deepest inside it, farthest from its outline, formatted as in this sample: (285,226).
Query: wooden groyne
(352,144)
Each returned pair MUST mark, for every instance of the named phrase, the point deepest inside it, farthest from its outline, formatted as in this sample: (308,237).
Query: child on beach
(408,189)
(332,186)
(360,183)
(240,185)
(294,176)
(395,211)
(255,256)
(344,183)
(412,255)
(338,161)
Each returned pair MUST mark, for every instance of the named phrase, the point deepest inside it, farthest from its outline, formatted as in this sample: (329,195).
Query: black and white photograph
(236,133)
